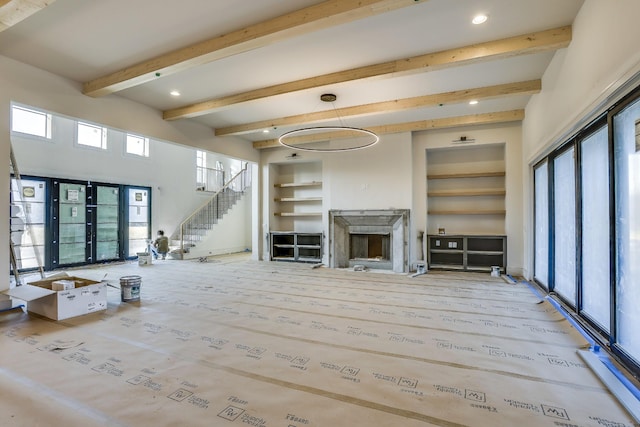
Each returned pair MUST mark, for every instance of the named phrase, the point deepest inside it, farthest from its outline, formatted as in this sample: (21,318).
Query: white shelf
(297,199)
(462,193)
(301,214)
(487,174)
(298,184)
(468,212)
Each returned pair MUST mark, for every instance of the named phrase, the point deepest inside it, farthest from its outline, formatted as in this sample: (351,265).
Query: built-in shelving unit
(295,193)
(296,247)
(295,212)
(467,252)
(466,190)
(472,192)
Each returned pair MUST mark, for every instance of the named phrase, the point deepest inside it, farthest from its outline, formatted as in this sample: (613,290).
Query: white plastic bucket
(144,258)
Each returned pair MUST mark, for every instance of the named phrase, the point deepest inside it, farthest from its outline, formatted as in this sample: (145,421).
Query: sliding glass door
(587,227)
(541,233)
(595,249)
(626,136)
(564,226)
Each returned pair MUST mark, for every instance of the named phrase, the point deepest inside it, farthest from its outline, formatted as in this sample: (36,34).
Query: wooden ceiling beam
(313,18)
(480,94)
(449,122)
(14,11)
(553,39)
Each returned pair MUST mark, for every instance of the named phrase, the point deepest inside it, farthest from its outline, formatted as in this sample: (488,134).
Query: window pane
(137,145)
(30,121)
(564,217)
(595,228)
(91,135)
(200,170)
(541,267)
(200,158)
(627,178)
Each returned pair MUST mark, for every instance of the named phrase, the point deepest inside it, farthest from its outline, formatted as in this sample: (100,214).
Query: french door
(60,223)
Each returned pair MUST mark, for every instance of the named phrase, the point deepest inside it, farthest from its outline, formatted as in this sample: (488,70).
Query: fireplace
(372,238)
(370,248)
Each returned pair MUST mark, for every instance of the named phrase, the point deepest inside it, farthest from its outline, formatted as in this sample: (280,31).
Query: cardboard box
(62,285)
(87,296)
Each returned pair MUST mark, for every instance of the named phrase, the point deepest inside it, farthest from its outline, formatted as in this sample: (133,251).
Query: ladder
(12,250)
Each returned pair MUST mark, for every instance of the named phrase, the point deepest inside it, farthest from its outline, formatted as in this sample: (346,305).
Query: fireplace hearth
(373,238)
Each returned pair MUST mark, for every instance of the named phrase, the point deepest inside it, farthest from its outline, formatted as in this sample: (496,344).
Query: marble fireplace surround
(394,222)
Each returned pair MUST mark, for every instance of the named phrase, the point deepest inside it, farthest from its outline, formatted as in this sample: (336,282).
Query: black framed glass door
(71,242)
(104,222)
(138,219)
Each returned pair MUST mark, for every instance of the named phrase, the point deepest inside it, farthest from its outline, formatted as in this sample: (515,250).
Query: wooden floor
(233,342)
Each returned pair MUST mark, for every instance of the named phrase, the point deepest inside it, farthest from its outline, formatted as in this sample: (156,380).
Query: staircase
(196,227)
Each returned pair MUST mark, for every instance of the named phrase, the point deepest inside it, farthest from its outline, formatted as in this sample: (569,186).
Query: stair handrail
(205,204)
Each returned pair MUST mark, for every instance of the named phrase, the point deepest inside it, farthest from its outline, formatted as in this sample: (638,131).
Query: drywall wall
(579,82)
(378,177)
(30,86)
(602,55)
(509,135)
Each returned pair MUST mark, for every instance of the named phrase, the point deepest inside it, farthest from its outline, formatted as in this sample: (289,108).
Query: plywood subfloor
(234,342)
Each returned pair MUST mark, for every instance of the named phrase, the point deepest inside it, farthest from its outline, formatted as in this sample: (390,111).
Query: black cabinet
(467,252)
(294,246)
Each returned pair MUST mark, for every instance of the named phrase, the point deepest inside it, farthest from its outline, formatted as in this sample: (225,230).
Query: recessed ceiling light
(479,19)
(174,93)
(473,102)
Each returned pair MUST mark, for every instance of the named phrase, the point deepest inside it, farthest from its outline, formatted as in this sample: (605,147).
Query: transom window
(92,135)
(30,121)
(137,145)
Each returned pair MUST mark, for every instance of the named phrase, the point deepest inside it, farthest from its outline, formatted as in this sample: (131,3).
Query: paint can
(130,288)
(144,258)
(495,271)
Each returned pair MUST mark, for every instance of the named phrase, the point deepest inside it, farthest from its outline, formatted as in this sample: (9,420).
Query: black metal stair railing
(197,225)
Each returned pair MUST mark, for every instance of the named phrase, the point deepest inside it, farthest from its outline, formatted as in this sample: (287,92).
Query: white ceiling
(84,40)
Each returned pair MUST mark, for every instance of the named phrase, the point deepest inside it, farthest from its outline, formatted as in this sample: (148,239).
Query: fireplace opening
(374,238)
(370,246)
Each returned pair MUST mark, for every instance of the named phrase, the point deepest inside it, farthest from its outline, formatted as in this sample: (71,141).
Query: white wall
(379,177)
(508,134)
(30,86)
(602,56)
